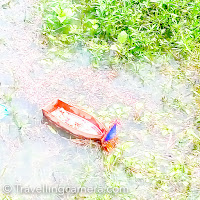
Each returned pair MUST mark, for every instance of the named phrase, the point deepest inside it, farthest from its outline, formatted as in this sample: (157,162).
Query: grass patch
(125,30)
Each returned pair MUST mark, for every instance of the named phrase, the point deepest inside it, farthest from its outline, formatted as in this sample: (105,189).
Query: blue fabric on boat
(3,111)
(112,133)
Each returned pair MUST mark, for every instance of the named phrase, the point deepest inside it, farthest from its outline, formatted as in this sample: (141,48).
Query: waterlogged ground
(153,102)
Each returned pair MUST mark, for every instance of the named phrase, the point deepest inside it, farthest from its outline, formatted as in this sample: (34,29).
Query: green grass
(126,29)
(5,197)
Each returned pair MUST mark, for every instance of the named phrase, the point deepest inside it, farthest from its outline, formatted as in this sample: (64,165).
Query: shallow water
(32,154)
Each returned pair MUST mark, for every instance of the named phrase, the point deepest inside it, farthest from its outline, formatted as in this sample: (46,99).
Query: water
(31,154)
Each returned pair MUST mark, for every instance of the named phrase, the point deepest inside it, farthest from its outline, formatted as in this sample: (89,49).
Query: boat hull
(73,110)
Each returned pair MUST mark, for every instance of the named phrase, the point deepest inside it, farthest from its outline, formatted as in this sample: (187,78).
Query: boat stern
(110,140)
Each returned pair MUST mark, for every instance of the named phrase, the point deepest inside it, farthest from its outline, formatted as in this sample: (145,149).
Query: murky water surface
(31,153)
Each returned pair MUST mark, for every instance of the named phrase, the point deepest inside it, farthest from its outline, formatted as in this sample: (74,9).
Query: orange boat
(80,124)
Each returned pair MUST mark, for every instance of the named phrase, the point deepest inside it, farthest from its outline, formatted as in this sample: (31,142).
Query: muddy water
(33,154)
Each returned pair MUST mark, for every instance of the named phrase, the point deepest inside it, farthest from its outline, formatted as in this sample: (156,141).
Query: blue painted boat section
(112,133)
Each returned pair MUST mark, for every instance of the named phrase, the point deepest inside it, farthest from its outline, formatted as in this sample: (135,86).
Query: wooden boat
(80,123)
